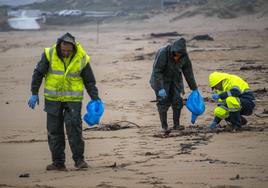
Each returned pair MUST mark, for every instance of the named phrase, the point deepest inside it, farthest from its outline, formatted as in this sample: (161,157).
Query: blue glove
(213,125)
(162,93)
(215,96)
(33,100)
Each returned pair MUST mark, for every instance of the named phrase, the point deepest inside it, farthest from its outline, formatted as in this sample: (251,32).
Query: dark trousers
(247,104)
(68,113)
(247,107)
(173,99)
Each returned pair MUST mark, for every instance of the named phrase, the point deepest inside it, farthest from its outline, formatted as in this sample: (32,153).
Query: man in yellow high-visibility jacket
(234,99)
(66,69)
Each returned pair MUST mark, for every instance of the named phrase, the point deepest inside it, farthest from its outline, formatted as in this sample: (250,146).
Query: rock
(148,153)
(265,111)
(237,177)
(139,58)
(203,37)
(25,175)
(113,165)
(260,91)
(167,34)
(259,67)
(139,49)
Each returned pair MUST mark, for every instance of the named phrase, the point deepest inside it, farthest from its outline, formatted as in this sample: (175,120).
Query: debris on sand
(155,181)
(265,111)
(203,37)
(243,128)
(114,62)
(116,166)
(247,61)
(202,130)
(133,39)
(23,141)
(261,115)
(144,56)
(139,49)
(25,175)
(148,153)
(112,166)
(166,34)
(260,91)
(201,135)
(192,142)
(186,148)
(113,126)
(186,132)
(259,67)
(139,58)
(237,177)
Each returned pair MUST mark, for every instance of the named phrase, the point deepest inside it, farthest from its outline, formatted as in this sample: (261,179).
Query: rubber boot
(176,119)
(163,120)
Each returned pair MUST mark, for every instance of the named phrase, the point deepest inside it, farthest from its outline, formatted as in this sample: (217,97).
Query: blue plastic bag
(195,104)
(95,109)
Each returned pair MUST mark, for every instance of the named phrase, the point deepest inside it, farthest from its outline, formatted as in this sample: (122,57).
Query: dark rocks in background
(258,67)
(166,34)
(203,37)
(260,91)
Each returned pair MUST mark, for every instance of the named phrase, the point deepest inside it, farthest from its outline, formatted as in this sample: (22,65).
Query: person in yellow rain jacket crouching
(234,99)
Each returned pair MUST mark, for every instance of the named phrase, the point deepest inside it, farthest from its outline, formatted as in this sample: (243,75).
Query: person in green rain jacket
(66,70)
(171,62)
(234,98)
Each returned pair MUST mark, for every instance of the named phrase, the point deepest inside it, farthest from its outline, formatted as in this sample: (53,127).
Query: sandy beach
(136,155)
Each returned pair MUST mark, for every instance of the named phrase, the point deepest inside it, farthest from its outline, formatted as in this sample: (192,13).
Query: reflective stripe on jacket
(65,84)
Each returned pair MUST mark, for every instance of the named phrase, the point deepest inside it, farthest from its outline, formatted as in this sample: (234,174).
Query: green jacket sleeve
(40,71)
(90,82)
(188,73)
(158,70)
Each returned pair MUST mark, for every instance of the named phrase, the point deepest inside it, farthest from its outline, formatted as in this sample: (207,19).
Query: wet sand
(137,156)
